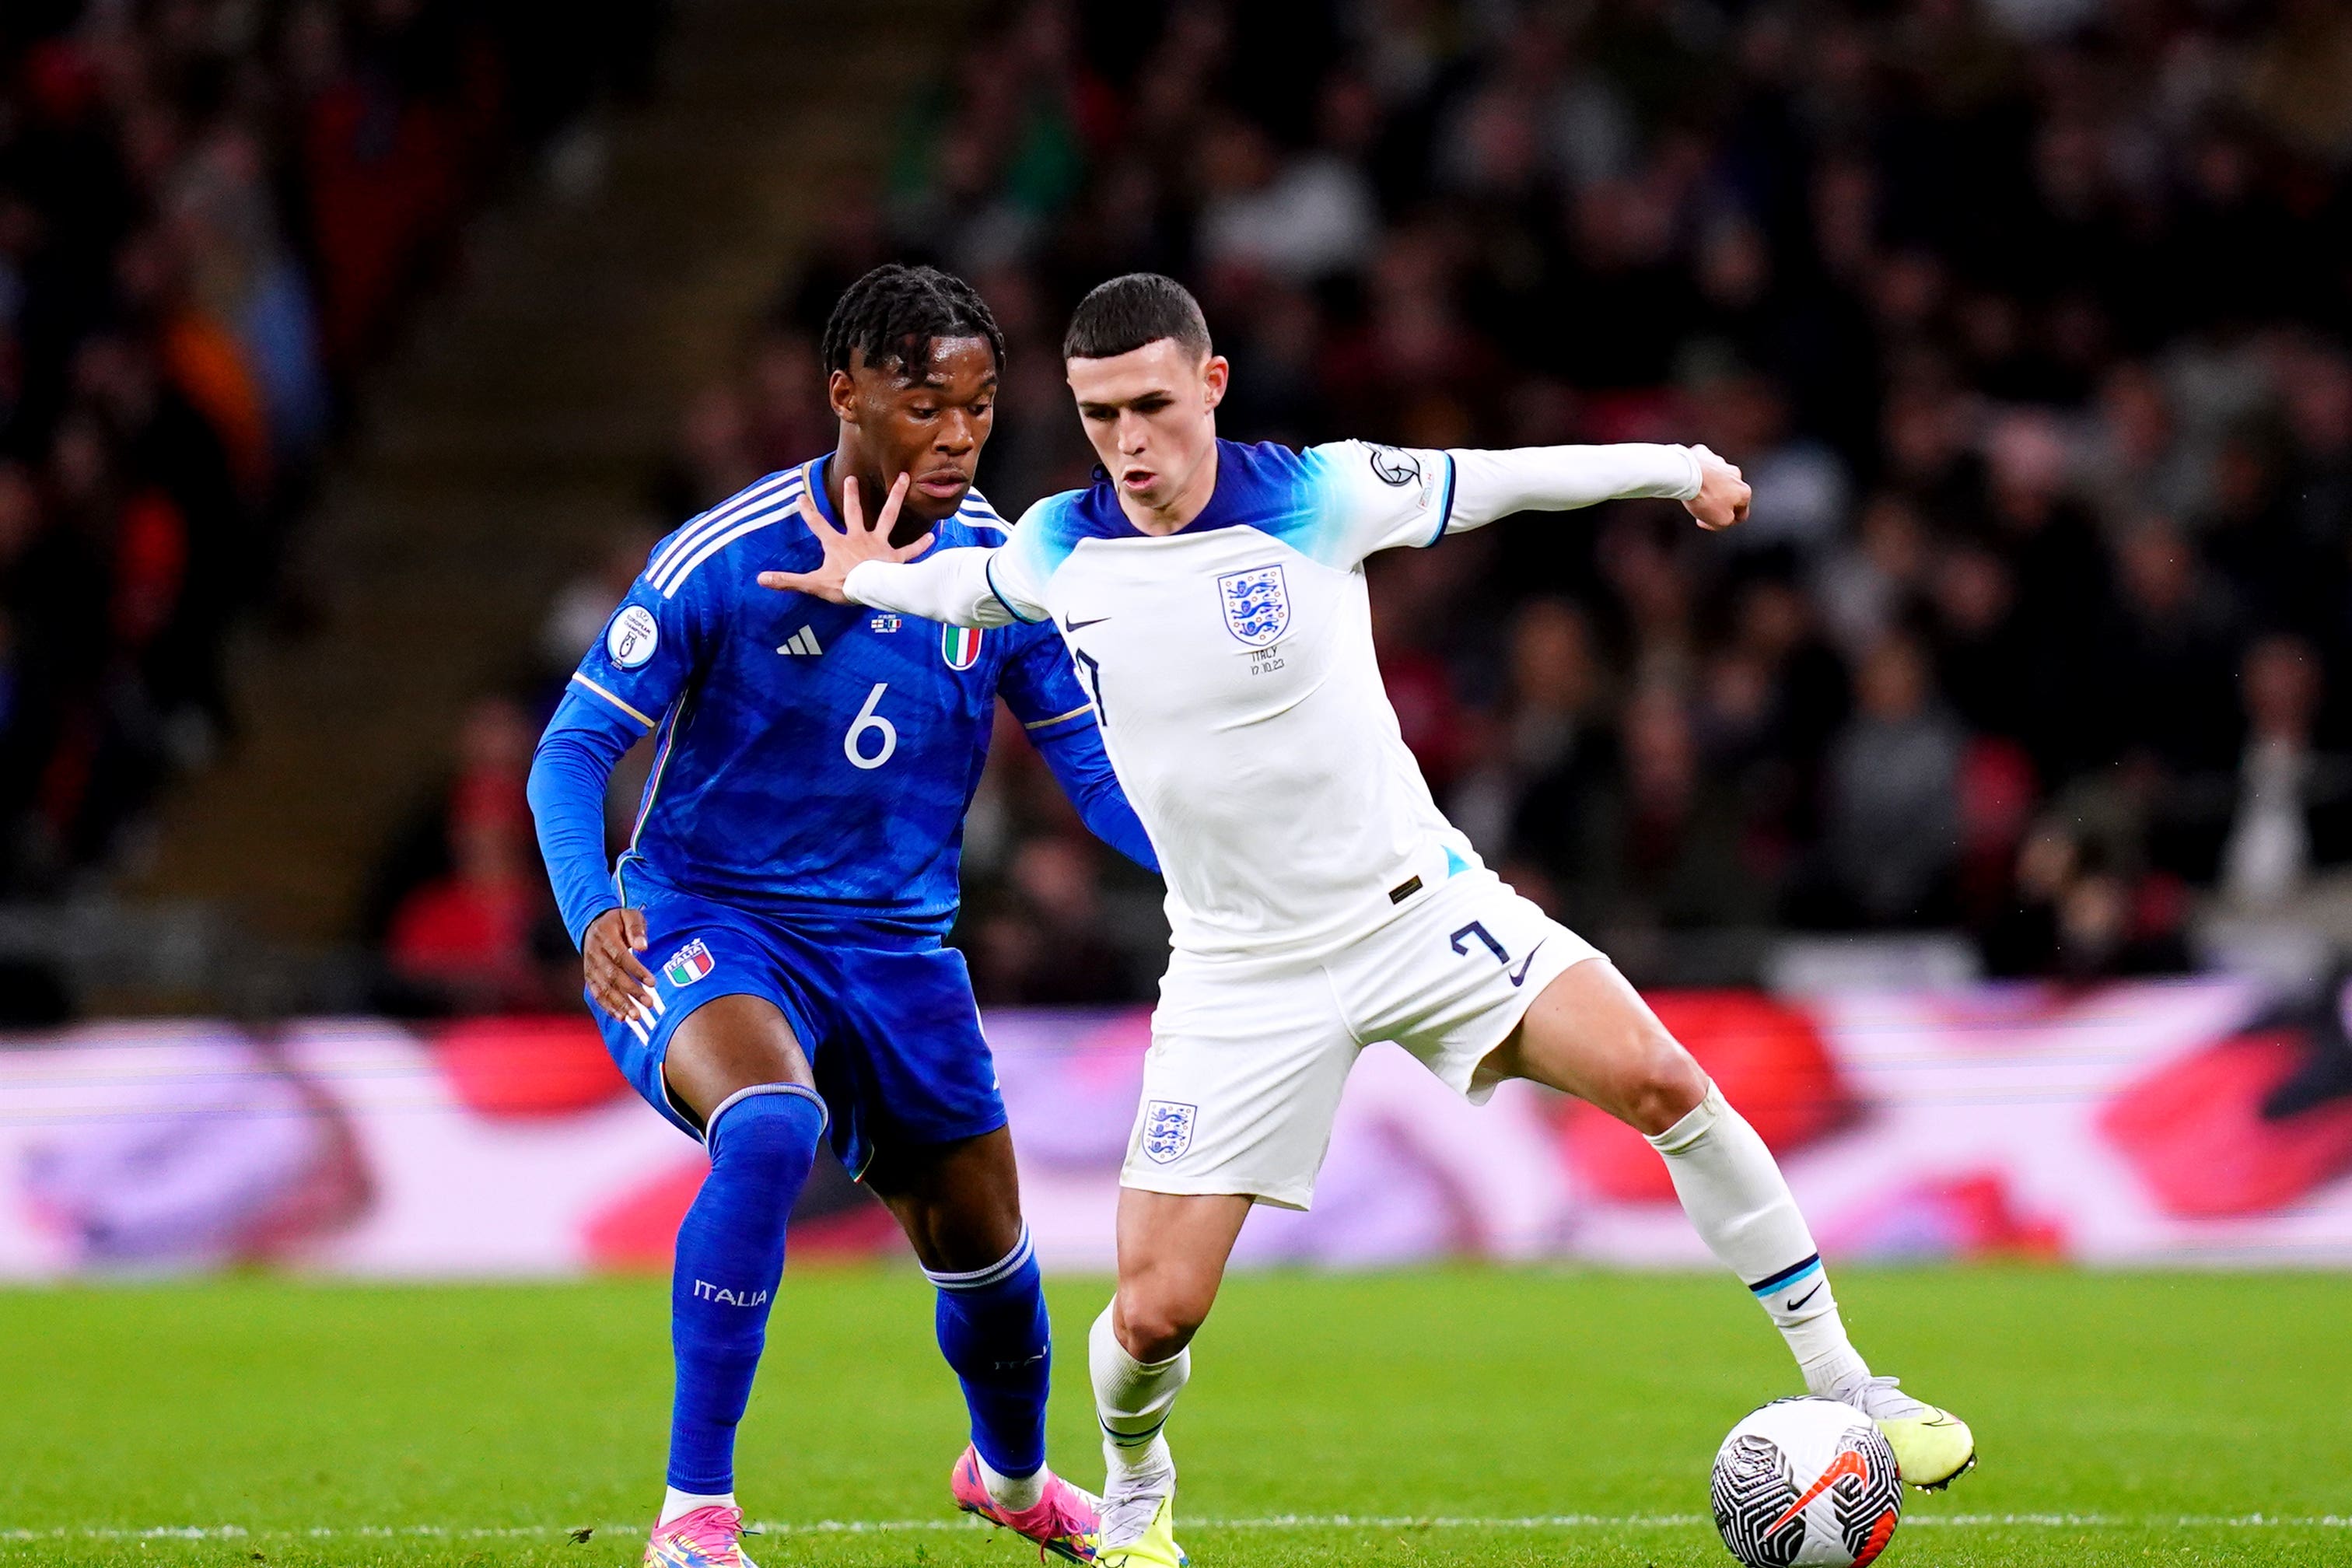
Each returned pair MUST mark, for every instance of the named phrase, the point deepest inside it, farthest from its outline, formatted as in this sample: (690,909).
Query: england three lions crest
(1167,1128)
(1256,604)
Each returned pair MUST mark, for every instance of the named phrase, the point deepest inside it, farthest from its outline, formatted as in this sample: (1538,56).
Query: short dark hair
(1122,315)
(893,314)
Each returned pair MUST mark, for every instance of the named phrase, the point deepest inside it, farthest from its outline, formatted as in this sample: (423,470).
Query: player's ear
(1213,380)
(841,392)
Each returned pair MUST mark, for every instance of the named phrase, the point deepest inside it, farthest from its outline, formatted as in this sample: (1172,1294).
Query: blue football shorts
(887,1020)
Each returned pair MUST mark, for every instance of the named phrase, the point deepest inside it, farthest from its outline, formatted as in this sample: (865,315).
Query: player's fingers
(888,516)
(637,972)
(915,548)
(789,582)
(852,511)
(633,926)
(814,519)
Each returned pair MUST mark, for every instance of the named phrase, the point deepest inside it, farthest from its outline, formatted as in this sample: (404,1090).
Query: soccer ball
(1806,1480)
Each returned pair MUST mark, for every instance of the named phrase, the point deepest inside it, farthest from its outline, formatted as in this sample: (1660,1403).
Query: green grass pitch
(1455,1416)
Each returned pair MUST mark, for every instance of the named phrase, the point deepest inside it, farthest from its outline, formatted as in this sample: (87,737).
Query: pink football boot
(1066,1521)
(702,1538)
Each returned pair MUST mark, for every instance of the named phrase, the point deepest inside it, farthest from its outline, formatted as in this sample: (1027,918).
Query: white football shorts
(1248,1054)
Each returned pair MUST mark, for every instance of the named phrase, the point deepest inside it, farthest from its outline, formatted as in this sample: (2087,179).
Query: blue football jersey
(814,760)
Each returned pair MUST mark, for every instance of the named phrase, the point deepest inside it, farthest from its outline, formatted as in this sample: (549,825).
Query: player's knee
(1665,1084)
(1157,1320)
(773,1130)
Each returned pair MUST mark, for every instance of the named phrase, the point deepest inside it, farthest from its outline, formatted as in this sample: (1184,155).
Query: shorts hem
(659,1050)
(1288,1197)
(1469,1087)
(980,1127)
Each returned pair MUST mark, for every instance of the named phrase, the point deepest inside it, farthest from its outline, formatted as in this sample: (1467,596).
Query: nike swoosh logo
(1081,625)
(1520,975)
(1802,1299)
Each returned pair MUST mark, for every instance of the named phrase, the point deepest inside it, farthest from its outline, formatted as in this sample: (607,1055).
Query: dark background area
(2028,322)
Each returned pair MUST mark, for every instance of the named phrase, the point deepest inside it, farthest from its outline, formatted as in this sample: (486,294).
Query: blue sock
(993,1330)
(730,1258)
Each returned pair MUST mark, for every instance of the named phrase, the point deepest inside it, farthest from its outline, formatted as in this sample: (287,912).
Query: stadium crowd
(2027,318)
(212,215)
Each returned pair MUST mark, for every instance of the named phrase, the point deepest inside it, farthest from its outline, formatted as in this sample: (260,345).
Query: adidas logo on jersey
(803,641)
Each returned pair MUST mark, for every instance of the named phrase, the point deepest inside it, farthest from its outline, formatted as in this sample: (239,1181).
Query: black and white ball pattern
(1806,1481)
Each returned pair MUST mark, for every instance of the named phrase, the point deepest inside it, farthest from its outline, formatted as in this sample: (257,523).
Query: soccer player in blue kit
(766,958)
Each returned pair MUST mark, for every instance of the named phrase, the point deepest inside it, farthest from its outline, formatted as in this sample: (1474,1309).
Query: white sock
(1132,1399)
(1741,1207)
(676,1502)
(1013,1492)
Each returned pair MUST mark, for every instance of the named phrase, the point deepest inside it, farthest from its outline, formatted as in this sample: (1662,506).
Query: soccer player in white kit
(1213,595)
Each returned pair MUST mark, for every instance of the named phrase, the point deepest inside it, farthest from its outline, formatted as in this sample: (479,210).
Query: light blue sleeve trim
(988,570)
(1445,511)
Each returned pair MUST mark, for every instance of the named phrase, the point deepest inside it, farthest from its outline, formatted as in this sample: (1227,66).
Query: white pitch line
(1275,1522)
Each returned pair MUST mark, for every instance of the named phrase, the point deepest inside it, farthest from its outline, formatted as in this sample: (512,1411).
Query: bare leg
(1591,1035)
(1171,1258)
(730,1045)
(1172,1249)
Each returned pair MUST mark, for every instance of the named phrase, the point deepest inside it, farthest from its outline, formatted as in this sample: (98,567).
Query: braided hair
(893,314)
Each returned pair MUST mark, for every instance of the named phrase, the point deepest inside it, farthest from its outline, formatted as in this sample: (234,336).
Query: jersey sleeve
(1369,497)
(1019,570)
(1491,485)
(1042,692)
(649,650)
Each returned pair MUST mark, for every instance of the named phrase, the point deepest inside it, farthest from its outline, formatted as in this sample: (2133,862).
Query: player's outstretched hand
(608,957)
(853,545)
(1723,494)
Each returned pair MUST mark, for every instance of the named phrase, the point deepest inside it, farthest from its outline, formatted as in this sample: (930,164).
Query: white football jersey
(1232,668)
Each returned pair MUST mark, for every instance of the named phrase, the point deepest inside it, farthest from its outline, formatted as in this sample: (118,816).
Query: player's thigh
(904,1062)
(958,1202)
(1451,977)
(1591,1035)
(1241,1082)
(731,1044)
(722,1018)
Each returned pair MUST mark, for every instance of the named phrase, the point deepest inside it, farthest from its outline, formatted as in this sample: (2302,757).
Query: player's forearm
(1082,769)
(1490,485)
(566,790)
(949,585)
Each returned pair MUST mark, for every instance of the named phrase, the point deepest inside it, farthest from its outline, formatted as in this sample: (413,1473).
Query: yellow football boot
(1154,1548)
(1933,1447)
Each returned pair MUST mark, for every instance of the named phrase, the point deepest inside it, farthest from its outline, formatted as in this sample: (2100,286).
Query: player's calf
(730,1260)
(993,1330)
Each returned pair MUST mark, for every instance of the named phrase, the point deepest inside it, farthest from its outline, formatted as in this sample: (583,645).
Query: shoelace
(1882,1399)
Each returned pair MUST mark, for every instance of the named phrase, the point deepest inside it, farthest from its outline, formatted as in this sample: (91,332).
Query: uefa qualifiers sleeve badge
(632,637)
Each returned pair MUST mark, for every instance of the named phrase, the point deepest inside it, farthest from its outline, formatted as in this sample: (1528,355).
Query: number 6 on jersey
(853,745)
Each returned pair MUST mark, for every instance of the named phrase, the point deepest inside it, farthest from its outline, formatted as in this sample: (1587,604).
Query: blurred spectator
(212,217)
(1048,943)
(2294,807)
(576,617)
(460,905)
(1891,829)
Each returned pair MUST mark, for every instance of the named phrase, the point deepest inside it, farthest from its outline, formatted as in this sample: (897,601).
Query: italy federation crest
(689,964)
(959,646)
(1168,1127)
(1256,604)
